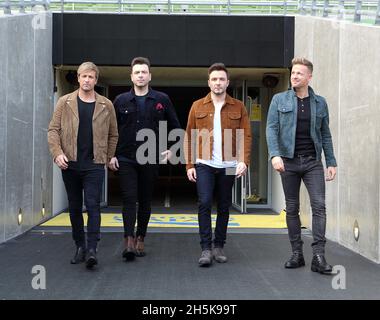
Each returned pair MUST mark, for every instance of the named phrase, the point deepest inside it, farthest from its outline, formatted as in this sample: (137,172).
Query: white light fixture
(19,217)
(356,230)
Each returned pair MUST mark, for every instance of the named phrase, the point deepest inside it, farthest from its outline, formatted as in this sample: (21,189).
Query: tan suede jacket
(198,142)
(63,128)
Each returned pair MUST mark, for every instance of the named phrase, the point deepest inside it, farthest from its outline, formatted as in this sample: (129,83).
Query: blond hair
(88,66)
(303,61)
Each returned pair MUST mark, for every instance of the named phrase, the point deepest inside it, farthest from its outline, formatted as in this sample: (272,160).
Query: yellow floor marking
(181,220)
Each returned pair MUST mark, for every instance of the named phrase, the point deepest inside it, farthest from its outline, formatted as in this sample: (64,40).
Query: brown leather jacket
(233,116)
(63,128)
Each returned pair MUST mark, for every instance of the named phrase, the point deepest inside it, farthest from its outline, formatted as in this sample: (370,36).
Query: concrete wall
(26,93)
(347,68)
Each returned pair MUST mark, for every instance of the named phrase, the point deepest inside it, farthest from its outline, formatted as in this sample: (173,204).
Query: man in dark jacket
(139,111)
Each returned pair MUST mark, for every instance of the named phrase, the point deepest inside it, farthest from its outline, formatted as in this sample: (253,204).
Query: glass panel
(257,177)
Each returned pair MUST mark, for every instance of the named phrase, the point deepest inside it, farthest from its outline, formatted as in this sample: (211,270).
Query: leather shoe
(319,264)
(140,246)
(129,252)
(80,256)
(296,260)
(91,259)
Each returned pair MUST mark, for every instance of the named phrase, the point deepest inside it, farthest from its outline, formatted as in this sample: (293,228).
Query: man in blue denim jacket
(297,132)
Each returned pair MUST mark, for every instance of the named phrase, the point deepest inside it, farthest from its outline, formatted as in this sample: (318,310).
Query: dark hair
(140,60)
(218,67)
(303,61)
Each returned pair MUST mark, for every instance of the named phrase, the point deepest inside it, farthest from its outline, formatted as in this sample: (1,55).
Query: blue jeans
(311,172)
(89,182)
(208,180)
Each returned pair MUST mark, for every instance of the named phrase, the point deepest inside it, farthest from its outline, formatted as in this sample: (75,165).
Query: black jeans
(311,171)
(137,185)
(89,183)
(208,179)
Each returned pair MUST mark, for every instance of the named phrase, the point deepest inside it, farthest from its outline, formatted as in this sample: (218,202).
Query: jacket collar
(229,99)
(72,101)
(151,94)
(312,95)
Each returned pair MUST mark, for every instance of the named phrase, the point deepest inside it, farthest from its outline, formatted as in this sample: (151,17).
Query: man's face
(301,76)
(87,80)
(140,75)
(218,82)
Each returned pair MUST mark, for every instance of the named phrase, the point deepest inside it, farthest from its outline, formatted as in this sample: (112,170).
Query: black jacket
(159,108)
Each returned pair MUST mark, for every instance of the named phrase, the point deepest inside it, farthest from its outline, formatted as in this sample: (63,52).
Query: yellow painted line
(181,220)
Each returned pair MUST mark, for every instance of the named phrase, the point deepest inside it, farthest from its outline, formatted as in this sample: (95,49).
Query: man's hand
(330,173)
(278,164)
(241,169)
(192,175)
(61,161)
(168,154)
(114,164)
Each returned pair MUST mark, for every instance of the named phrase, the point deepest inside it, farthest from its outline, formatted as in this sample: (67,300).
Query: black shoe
(319,264)
(91,259)
(80,256)
(129,252)
(295,261)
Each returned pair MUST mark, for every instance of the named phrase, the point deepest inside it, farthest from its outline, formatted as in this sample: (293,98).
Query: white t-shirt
(217,157)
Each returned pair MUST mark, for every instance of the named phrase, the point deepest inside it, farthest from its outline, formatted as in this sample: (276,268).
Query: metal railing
(22,5)
(354,10)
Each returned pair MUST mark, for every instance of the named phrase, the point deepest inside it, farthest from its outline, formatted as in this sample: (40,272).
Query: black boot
(295,261)
(80,256)
(319,264)
(91,259)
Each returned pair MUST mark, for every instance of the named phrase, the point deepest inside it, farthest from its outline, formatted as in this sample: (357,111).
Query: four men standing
(86,128)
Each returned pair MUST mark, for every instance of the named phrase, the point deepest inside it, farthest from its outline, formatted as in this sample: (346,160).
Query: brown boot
(130,250)
(140,246)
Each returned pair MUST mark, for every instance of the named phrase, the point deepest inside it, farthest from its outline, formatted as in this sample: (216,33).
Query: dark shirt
(304,144)
(85,144)
(141,108)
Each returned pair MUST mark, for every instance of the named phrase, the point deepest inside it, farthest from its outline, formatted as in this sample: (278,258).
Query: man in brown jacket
(82,138)
(217,149)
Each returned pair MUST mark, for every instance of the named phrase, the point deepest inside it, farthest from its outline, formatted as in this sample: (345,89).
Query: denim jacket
(282,124)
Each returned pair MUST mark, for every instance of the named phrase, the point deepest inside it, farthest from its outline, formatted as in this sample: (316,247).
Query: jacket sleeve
(272,130)
(113,134)
(54,130)
(327,143)
(188,141)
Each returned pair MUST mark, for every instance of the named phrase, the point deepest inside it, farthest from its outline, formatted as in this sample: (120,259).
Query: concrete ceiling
(179,76)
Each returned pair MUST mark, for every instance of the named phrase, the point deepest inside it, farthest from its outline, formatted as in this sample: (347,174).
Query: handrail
(355,10)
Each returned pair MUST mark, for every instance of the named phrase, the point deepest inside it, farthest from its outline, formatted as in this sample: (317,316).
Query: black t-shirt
(304,143)
(85,144)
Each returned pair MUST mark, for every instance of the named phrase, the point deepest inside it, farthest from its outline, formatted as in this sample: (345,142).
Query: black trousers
(211,179)
(137,185)
(88,183)
(310,171)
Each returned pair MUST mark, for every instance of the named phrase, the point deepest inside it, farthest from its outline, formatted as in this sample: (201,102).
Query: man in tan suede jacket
(217,149)
(82,138)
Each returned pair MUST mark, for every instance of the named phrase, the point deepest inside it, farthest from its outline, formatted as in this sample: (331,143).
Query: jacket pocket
(234,119)
(201,120)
